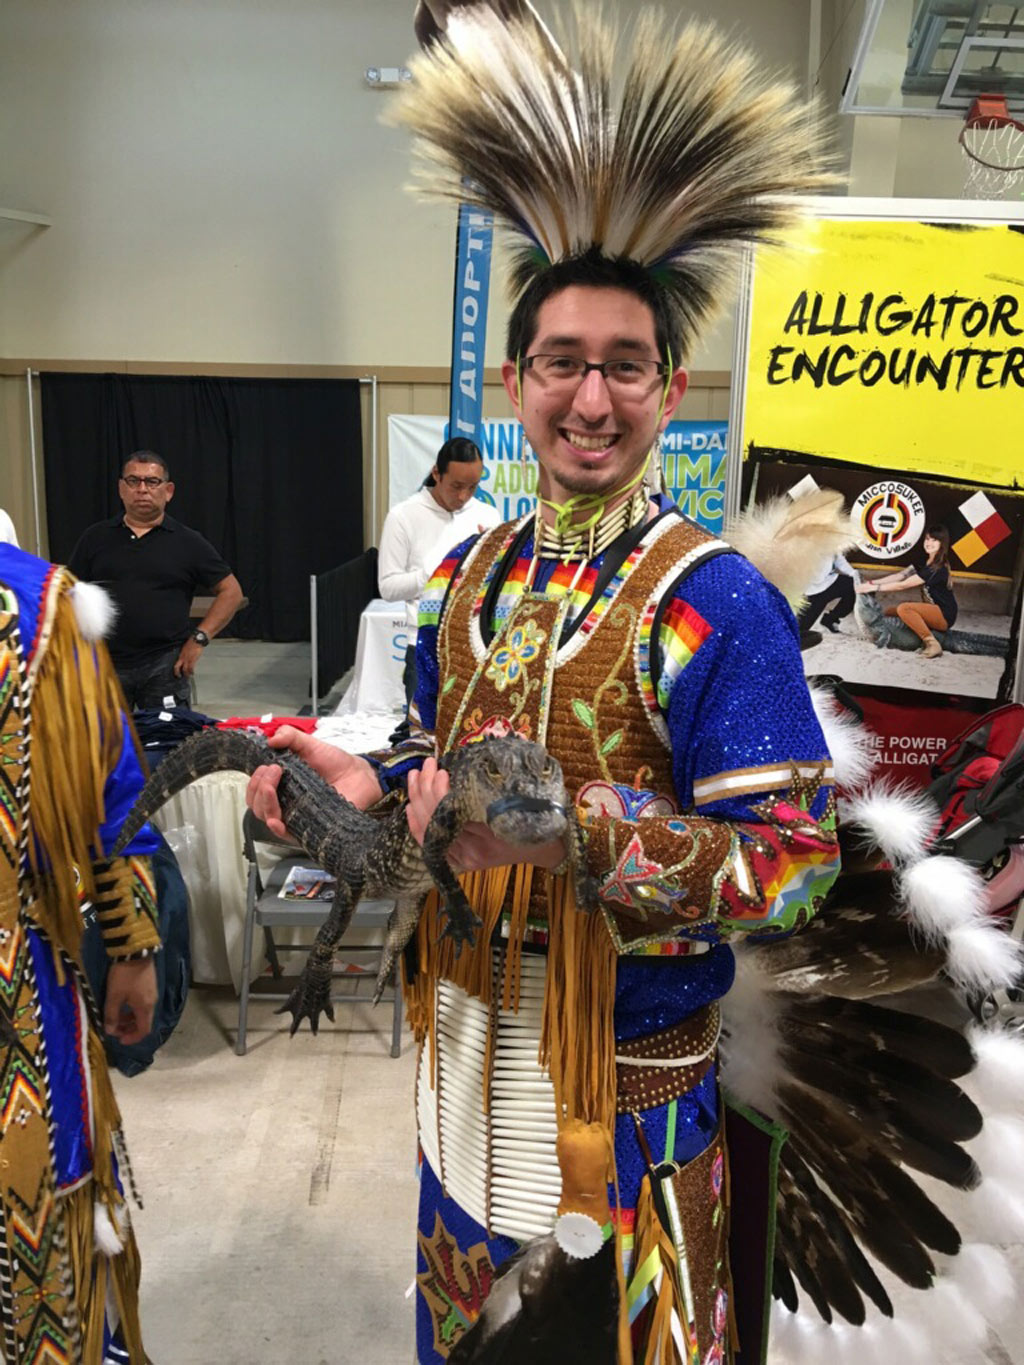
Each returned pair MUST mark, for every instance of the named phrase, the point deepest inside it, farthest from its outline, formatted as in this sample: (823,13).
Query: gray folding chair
(264,907)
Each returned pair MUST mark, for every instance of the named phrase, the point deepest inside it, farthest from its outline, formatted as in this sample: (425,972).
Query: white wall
(221,187)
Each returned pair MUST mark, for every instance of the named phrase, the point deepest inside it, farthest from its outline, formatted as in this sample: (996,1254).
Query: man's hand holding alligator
(496,802)
(348,774)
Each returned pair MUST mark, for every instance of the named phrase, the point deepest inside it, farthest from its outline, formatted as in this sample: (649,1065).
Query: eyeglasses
(135,481)
(569,371)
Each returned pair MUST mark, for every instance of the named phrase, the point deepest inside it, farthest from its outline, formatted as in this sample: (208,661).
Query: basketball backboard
(933,58)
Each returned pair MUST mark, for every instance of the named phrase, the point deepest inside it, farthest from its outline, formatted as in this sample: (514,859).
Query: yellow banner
(897,345)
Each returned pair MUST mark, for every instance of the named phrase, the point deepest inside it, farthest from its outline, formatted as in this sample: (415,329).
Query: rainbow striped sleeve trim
(437,585)
(683,631)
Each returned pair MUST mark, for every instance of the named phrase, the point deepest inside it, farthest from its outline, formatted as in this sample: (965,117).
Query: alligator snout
(523,819)
(523,805)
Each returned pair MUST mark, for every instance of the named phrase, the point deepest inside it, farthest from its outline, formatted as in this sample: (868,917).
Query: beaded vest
(587,695)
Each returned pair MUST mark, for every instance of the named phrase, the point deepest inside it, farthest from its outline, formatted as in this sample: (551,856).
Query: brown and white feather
(665,145)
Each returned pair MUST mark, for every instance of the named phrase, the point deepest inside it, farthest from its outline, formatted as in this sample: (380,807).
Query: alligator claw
(308,1000)
(386,976)
(461,926)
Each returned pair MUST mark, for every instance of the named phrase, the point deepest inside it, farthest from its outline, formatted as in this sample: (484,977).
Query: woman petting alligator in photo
(939,609)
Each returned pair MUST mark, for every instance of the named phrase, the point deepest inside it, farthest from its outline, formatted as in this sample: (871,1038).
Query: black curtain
(270,471)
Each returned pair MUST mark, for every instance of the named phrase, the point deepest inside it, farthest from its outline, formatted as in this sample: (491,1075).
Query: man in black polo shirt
(153,566)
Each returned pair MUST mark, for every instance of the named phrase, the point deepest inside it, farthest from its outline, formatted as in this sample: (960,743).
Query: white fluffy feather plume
(674,163)
(750,1036)
(94,609)
(983,957)
(898,820)
(946,900)
(108,1239)
(788,539)
(846,739)
(942,894)
(997,1081)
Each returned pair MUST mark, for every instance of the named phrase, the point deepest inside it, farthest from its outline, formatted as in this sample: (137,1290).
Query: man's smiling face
(590,438)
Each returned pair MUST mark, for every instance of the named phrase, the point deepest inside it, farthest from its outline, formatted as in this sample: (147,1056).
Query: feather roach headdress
(668,148)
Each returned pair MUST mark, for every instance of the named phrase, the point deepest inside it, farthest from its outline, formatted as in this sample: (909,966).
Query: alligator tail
(210,751)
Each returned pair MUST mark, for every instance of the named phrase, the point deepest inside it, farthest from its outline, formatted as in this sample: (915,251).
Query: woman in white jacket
(419,531)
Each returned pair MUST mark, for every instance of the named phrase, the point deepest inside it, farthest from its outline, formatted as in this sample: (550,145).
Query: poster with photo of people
(921,542)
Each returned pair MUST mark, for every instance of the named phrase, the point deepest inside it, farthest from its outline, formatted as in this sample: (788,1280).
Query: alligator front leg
(437,840)
(312,996)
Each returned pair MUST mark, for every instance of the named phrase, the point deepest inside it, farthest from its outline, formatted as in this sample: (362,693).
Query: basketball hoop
(992,141)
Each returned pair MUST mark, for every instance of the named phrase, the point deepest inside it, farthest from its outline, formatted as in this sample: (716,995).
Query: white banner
(510,468)
(693,460)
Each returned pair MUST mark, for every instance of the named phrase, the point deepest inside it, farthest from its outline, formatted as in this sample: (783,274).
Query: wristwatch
(201,637)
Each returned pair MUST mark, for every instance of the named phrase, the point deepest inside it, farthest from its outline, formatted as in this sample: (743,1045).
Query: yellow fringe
(93,1272)
(650,1235)
(89,1270)
(76,737)
(473,969)
(578,1035)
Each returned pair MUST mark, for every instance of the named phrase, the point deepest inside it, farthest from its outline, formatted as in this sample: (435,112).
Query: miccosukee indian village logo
(891,517)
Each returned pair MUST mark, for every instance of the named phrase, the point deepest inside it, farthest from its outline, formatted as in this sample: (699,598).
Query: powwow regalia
(68,775)
(580,1180)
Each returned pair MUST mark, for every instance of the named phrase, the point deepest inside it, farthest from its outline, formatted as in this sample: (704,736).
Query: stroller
(978,785)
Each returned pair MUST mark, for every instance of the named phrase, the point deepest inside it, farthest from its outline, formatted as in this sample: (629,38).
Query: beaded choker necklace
(586,542)
(568,541)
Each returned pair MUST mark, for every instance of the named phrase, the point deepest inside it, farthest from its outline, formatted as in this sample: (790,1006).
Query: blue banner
(693,460)
(469,326)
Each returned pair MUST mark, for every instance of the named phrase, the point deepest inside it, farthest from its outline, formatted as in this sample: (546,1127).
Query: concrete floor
(280,1187)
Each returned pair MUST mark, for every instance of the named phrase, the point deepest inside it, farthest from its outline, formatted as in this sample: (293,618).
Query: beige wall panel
(16,494)
(222,189)
(718,404)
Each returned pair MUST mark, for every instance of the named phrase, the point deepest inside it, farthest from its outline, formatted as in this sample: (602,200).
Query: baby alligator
(512,785)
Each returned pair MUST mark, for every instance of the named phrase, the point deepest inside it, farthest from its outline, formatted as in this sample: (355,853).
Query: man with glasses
(153,566)
(661,670)
(665,675)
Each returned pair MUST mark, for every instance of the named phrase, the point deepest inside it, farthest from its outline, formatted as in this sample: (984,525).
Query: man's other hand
(130,1000)
(185,664)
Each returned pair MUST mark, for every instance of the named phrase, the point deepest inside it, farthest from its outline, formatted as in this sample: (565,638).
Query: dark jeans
(401,731)
(842,589)
(409,675)
(149,685)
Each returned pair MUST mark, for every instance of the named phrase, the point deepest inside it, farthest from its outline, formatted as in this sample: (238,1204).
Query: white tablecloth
(203,825)
(380,657)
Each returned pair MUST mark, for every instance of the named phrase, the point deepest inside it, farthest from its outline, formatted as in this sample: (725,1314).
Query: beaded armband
(663,872)
(125,906)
